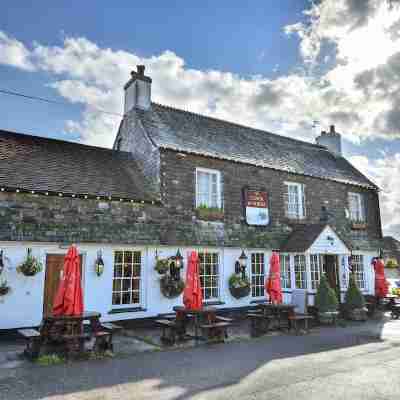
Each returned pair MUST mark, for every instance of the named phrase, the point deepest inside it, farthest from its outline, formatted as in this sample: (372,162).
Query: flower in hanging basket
(171,287)
(4,288)
(239,285)
(31,266)
(162,265)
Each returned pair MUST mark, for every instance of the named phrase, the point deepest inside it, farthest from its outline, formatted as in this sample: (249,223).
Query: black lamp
(243,263)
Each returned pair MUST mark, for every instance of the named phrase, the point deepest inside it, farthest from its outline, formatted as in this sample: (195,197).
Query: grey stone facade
(42,218)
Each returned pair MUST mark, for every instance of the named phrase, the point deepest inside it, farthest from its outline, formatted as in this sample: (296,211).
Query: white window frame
(215,276)
(286,275)
(139,278)
(358,269)
(257,278)
(315,270)
(359,214)
(302,271)
(301,207)
(219,194)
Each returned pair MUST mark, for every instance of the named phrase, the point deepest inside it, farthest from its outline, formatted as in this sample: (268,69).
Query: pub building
(174,182)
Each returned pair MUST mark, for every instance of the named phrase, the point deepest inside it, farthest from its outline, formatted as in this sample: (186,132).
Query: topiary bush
(355,302)
(325,299)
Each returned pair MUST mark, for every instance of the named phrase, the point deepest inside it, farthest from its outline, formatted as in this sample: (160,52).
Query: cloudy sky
(279,66)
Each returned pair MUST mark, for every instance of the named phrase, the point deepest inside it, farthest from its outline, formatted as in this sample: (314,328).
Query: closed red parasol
(193,294)
(273,283)
(68,300)
(381,284)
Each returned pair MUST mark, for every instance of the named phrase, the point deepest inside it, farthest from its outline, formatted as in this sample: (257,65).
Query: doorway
(331,268)
(54,268)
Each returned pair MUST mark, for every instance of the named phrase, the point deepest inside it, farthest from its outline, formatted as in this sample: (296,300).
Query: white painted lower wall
(23,306)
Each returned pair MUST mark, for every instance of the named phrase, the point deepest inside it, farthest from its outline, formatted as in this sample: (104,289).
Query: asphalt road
(329,364)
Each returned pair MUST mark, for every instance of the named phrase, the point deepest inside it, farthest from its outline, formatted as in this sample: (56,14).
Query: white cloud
(13,52)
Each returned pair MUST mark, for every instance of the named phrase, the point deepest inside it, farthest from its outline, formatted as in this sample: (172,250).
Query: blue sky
(276,65)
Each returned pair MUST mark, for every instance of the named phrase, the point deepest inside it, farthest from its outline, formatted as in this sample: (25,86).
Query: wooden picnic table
(66,332)
(278,311)
(206,313)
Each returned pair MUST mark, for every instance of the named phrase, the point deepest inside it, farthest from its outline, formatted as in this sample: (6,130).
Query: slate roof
(49,165)
(184,131)
(303,236)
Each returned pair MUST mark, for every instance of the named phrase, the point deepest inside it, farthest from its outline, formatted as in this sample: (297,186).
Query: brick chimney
(138,90)
(332,140)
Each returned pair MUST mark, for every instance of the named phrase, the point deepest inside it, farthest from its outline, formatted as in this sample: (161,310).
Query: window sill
(258,301)
(358,225)
(126,310)
(213,303)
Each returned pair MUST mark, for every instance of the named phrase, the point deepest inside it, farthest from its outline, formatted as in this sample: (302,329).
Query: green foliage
(391,263)
(31,266)
(325,299)
(354,298)
(171,287)
(50,359)
(239,285)
(162,265)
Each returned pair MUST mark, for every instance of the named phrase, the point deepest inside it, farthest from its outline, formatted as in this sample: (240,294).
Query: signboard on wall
(256,207)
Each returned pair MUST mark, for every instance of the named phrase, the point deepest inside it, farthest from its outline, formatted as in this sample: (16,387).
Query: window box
(209,213)
(358,225)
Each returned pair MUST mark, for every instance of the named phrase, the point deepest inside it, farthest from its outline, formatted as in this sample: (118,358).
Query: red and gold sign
(256,207)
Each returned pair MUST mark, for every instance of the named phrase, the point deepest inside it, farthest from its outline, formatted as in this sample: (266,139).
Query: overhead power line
(44,100)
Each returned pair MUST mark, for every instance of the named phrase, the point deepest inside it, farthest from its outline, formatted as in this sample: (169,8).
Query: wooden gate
(54,268)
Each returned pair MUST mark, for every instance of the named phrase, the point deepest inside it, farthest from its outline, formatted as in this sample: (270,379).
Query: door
(54,270)
(332,272)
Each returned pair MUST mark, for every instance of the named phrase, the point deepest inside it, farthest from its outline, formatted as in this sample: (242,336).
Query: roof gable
(316,238)
(184,131)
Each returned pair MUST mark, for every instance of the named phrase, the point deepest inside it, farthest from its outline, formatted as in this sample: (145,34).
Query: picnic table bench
(33,342)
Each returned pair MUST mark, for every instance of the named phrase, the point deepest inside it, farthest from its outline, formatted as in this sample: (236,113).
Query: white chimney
(138,90)
(332,140)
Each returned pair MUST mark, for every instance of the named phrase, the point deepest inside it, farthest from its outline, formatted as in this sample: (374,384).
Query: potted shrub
(239,285)
(209,213)
(355,302)
(31,266)
(326,302)
(4,288)
(171,287)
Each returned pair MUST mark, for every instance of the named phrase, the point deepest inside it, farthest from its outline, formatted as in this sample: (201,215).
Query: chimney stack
(138,90)
(332,140)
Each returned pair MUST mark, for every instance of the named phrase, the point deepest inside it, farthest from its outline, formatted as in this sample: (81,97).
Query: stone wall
(28,217)
(178,195)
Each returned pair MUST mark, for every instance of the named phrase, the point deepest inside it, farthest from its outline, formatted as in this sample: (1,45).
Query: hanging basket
(31,266)
(4,289)
(239,286)
(171,287)
(162,265)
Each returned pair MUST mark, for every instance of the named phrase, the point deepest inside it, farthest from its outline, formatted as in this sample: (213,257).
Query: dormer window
(208,188)
(356,207)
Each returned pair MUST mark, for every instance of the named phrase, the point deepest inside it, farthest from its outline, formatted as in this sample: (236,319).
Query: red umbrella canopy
(193,293)
(273,282)
(381,284)
(68,300)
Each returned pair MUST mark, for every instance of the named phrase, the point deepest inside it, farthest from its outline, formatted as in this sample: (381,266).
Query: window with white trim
(300,271)
(315,269)
(357,265)
(295,204)
(356,207)
(126,280)
(208,188)
(209,275)
(257,274)
(286,280)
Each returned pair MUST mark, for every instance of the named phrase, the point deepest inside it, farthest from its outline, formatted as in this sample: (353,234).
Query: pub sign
(256,206)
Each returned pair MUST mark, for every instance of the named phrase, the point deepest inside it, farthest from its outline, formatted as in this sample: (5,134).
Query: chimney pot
(332,129)
(140,69)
